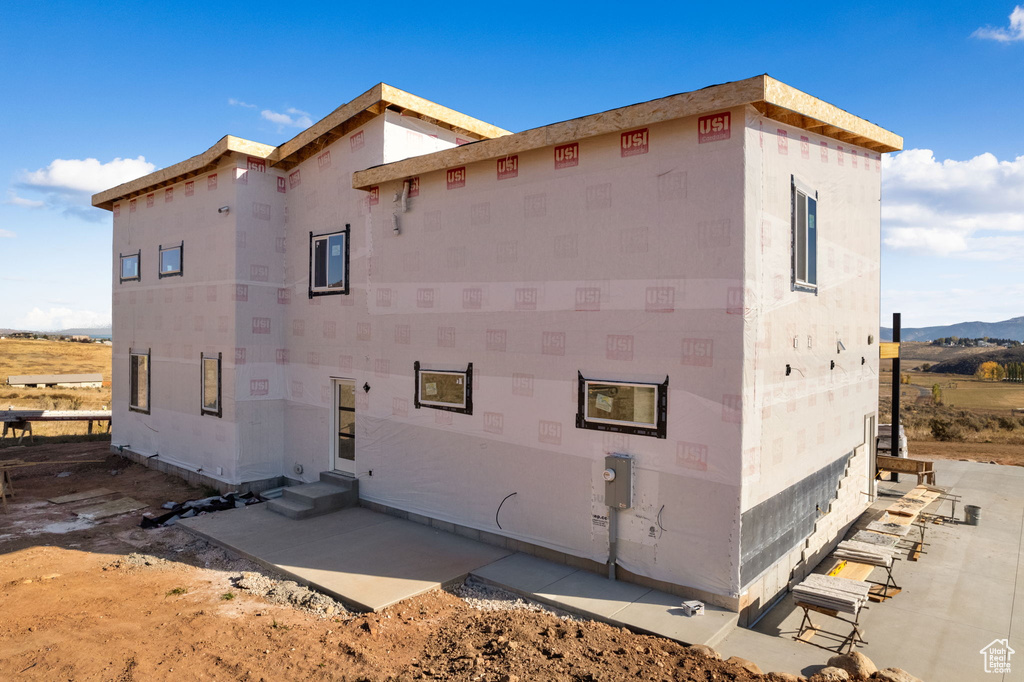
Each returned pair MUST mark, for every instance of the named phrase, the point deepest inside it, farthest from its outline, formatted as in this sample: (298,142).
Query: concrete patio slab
(364,559)
(594,596)
(958,597)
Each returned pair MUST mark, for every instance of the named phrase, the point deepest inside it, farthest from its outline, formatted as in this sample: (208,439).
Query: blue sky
(139,86)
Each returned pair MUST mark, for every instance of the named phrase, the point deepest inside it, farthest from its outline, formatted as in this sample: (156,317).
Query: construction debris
(187,510)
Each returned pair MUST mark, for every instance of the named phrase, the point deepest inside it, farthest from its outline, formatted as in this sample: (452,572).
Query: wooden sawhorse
(808,628)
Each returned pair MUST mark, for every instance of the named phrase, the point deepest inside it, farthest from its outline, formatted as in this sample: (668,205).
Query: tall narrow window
(211,384)
(138,381)
(624,407)
(328,263)
(805,237)
(130,266)
(450,390)
(170,260)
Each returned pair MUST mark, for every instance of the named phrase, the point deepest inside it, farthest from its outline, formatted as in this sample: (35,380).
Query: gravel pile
(488,598)
(135,560)
(289,593)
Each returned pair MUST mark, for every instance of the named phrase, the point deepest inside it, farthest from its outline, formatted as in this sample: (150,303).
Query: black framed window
(623,407)
(211,385)
(804,202)
(444,389)
(171,260)
(328,263)
(138,381)
(130,266)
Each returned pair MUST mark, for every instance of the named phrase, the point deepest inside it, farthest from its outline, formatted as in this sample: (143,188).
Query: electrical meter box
(618,481)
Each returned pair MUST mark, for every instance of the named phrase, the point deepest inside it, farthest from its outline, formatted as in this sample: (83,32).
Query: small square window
(130,266)
(328,263)
(624,407)
(170,260)
(138,381)
(211,384)
(804,203)
(450,390)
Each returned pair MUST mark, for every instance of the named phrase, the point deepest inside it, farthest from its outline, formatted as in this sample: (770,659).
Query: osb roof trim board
(190,167)
(374,101)
(771,97)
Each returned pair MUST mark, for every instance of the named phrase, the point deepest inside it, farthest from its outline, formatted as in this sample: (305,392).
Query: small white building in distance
(56,381)
(469,321)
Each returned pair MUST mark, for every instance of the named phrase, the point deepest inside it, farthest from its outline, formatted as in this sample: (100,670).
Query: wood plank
(84,495)
(112,508)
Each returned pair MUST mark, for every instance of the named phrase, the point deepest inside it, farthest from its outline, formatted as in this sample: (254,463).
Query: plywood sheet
(84,495)
(112,508)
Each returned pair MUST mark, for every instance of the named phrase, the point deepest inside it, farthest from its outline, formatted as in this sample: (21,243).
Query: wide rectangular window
(625,407)
(805,237)
(328,263)
(130,266)
(211,384)
(138,381)
(450,390)
(170,260)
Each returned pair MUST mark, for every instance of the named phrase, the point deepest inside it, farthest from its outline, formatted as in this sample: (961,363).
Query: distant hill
(1007,329)
(968,363)
(98,332)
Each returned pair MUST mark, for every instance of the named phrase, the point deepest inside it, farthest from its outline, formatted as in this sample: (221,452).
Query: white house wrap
(692,281)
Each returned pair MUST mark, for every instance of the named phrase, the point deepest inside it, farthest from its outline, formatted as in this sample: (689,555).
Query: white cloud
(929,307)
(14,200)
(971,209)
(239,103)
(292,118)
(86,175)
(1005,35)
(67,184)
(56,319)
(7,234)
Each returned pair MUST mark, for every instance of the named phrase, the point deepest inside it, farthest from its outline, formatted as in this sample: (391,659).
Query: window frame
(180,248)
(203,409)
(801,192)
(467,374)
(329,290)
(138,267)
(658,430)
(134,390)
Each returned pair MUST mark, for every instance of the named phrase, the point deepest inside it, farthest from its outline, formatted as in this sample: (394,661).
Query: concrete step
(339,479)
(291,508)
(314,499)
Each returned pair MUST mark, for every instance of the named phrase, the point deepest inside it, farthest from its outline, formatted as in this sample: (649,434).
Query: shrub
(946,431)
(1007,423)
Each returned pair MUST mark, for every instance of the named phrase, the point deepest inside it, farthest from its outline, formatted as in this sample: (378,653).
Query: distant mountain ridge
(86,331)
(1007,329)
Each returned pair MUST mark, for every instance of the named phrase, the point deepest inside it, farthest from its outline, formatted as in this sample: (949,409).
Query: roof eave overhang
(309,142)
(770,97)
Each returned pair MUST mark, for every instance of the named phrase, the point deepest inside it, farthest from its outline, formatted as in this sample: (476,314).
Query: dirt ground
(107,600)
(997,453)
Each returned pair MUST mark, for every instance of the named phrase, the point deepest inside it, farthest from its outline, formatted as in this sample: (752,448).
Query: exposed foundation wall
(177,318)
(799,429)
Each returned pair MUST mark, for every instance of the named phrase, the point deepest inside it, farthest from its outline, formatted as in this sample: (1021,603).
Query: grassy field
(28,356)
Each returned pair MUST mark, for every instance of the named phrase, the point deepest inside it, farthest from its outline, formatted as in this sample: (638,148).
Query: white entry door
(343,450)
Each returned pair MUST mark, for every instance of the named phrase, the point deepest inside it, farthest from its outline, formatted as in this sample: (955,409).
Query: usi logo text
(496,340)
(549,432)
(424,298)
(508,167)
(660,299)
(567,155)
(494,422)
(714,127)
(552,343)
(619,347)
(526,299)
(522,384)
(634,142)
(698,352)
(456,177)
